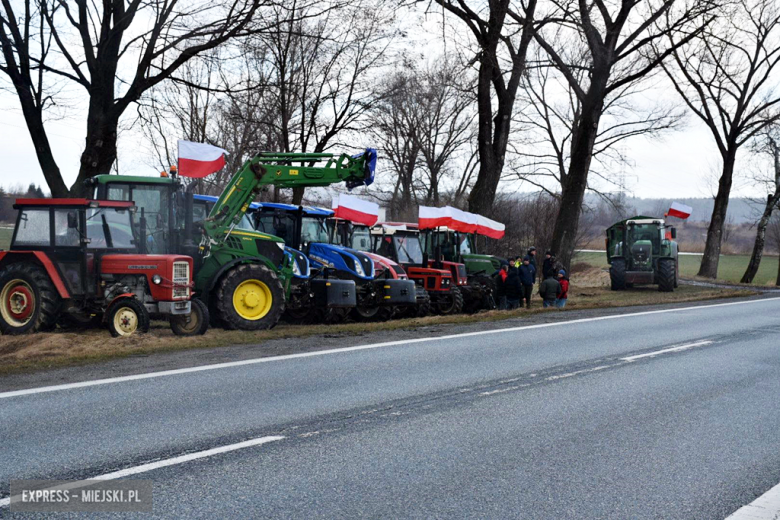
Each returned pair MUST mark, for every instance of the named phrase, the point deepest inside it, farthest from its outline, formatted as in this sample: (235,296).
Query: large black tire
(488,289)
(666,275)
(126,317)
(617,274)
(332,316)
(29,302)
(250,297)
(423,307)
(196,323)
(450,304)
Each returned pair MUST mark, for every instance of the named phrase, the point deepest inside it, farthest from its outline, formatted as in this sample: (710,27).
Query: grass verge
(53,350)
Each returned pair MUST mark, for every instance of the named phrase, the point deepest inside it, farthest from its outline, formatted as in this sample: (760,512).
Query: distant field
(5,237)
(730,269)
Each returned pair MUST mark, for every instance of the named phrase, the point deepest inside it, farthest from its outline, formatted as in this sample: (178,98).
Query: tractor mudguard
(7,257)
(225,268)
(120,296)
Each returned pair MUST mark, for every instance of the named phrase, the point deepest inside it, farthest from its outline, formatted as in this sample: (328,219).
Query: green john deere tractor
(642,251)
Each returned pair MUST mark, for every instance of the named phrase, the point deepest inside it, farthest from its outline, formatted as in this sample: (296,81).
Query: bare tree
(727,76)
(502,31)
(619,39)
(115,51)
(770,146)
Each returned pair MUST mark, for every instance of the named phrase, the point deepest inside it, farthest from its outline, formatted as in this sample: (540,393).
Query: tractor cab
(641,250)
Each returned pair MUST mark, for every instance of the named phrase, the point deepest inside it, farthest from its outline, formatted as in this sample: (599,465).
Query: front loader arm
(285,170)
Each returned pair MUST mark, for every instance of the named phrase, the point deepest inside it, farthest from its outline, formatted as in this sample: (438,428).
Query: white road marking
(585,371)
(765,507)
(143,468)
(666,350)
(405,342)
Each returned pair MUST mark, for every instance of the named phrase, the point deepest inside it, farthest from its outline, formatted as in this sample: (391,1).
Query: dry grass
(40,351)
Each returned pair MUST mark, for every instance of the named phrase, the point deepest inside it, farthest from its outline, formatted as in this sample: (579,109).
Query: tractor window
(154,201)
(64,235)
(199,211)
(33,229)
(109,228)
(266,223)
(313,230)
(118,192)
(465,244)
(361,239)
(408,247)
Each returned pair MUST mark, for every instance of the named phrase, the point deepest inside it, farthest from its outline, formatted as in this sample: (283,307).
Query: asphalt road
(672,414)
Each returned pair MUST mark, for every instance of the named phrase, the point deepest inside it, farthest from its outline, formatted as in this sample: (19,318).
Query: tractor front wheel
(250,297)
(126,317)
(196,323)
(376,313)
(450,304)
(28,300)
(666,275)
(617,274)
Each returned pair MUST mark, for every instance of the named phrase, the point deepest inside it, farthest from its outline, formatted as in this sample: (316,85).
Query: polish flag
(428,217)
(489,228)
(355,209)
(462,221)
(679,210)
(198,159)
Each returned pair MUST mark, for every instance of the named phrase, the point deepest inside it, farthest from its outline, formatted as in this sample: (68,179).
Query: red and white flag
(198,159)
(462,221)
(489,228)
(679,210)
(355,209)
(428,217)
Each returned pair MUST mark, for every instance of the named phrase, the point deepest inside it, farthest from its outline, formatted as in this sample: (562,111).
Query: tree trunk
(100,150)
(576,181)
(758,246)
(709,262)
(298,196)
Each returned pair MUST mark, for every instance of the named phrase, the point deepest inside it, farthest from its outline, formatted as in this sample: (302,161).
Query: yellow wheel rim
(125,321)
(252,300)
(17,302)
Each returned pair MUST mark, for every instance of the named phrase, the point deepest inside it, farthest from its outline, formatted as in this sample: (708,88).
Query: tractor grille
(181,276)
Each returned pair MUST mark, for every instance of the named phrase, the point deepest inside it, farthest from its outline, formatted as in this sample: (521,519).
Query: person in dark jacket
(532,257)
(501,277)
(512,289)
(560,301)
(527,274)
(549,291)
(548,268)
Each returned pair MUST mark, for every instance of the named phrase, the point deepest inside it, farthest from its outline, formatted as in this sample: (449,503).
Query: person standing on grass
(512,289)
(501,278)
(527,278)
(532,257)
(560,301)
(548,268)
(549,291)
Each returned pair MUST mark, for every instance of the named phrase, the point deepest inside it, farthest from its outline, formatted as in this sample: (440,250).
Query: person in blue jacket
(527,274)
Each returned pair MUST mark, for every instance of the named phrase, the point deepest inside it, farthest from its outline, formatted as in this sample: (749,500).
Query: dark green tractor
(642,251)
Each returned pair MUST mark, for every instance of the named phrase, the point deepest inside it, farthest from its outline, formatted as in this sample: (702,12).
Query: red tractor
(76,261)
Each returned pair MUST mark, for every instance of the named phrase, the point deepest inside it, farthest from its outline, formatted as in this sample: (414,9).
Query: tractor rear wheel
(126,317)
(196,323)
(617,274)
(28,300)
(423,307)
(450,304)
(666,275)
(250,297)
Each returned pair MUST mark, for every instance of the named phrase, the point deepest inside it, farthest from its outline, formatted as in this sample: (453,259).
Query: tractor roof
(635,218)
(136,179)
(307,210)
(74,202)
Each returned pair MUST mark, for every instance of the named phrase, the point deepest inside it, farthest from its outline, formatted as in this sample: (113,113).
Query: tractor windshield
(408,247)
(465,244)
(313,230)
(109,228)
(648,232)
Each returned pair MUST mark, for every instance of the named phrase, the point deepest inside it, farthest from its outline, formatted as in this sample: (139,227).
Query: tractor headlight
(359,269)
(296,268)
(280,245)
(157,279)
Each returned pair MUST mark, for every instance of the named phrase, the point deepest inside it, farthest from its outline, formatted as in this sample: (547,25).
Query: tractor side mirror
(73,220)
(674,233)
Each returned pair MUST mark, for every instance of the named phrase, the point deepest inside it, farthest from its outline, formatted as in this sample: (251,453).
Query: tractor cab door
(156,201)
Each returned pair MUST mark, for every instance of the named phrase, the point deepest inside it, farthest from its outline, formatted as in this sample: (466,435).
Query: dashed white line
(575,373)
(143,468)
(667,350)
(765,507)
(405,342)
